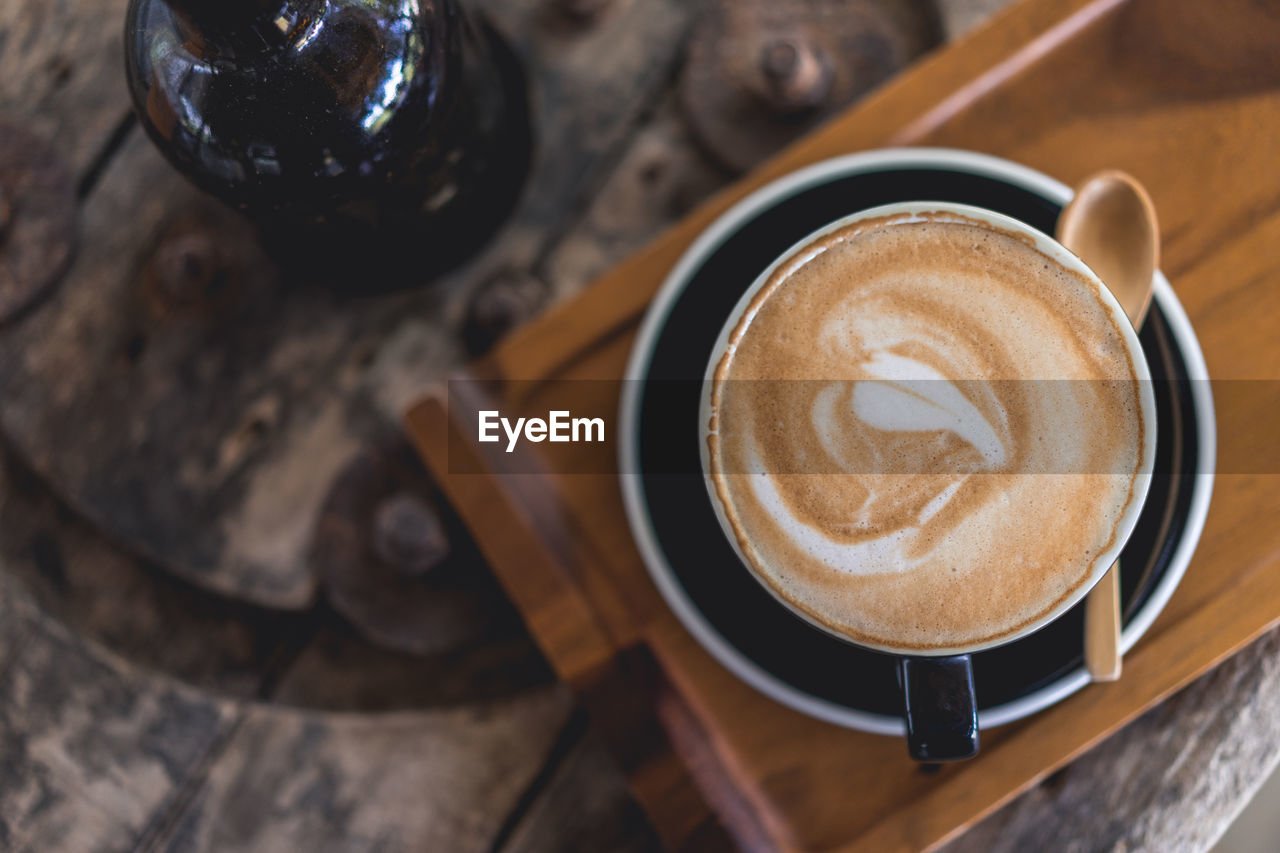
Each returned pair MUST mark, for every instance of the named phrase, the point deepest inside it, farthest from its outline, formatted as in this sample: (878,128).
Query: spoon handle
(1102,627)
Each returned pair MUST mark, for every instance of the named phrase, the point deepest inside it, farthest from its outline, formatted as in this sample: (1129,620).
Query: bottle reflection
(387,135)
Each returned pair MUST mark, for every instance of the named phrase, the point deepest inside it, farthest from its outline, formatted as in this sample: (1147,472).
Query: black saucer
(738,616)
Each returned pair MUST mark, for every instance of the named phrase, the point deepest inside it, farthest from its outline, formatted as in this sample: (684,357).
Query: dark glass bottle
(393,134)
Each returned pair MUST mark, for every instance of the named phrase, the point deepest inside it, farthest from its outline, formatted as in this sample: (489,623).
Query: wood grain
(100,756)
(86,585)
(585,809)
(1174,779)
(660,177)
(487,706)
(312,660)
(91,753)
(61,74)
(595,86)
(204,436)
(1065,87)
(443,780)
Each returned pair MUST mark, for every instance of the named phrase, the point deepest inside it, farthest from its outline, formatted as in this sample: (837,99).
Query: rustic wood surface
(312,660)
(90,755)
(60,73)
(205,433)
(1175,778)
(140,711)
(99,756)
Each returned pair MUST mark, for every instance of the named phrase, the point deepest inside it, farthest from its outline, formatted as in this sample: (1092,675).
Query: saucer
(673,521)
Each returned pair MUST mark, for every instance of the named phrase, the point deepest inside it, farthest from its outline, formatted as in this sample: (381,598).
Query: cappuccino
(924,433)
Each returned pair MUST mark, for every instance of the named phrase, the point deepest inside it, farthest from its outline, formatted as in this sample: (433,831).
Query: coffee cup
(927,429)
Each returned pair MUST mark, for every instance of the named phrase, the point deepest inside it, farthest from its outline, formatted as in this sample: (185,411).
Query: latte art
(925,432)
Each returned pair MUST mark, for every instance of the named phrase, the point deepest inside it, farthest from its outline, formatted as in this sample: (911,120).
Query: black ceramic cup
(939,702)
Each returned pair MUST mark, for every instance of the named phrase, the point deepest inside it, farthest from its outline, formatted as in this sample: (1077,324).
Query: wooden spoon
(1111,226)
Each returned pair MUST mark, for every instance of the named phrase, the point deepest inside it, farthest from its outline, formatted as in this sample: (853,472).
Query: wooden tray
(1182,94)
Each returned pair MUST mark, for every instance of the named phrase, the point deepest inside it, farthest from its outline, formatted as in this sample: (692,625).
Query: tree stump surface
(173,674)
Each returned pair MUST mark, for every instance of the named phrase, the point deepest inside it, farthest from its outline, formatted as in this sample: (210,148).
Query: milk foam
(881,455)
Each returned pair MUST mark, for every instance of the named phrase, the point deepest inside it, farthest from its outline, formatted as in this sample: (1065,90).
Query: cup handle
(940,708)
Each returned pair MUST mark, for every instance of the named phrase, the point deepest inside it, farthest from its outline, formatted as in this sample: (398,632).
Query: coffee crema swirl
(924,432)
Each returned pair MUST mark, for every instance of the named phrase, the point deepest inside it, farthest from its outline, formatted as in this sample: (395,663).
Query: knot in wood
(187,267)
(499,305)
(797,74)
(580,11)
(408,534)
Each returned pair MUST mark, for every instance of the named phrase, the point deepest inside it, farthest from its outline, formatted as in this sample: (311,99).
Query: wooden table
(140,710)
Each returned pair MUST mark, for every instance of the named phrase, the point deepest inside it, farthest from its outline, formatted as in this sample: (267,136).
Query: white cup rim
(914,211)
